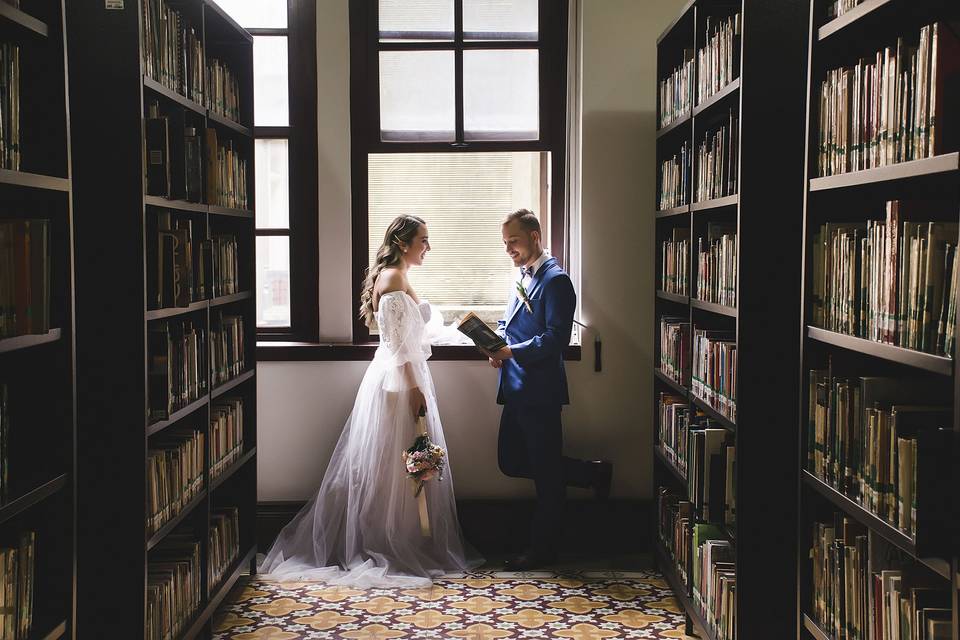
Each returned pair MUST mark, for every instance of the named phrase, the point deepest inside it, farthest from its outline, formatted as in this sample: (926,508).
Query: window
(457,115)
(284,97)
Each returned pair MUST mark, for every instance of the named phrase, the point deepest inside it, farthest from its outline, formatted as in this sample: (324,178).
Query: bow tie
(526,271)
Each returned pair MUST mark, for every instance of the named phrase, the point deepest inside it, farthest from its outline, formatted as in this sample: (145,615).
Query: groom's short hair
(528,220)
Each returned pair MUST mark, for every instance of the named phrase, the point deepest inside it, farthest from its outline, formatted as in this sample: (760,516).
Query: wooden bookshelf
(668,465)
(118,280)
(859,196)
(769,104)
(39,369)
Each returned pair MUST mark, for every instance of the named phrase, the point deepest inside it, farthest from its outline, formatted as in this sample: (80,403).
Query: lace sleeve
(398,330)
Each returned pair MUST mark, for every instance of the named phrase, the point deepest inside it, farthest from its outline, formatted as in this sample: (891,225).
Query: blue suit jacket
(535,375)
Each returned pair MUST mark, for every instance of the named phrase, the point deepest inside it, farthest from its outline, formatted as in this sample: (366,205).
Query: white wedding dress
(362,529)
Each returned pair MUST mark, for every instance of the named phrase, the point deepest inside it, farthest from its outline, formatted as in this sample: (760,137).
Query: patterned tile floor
(485,605)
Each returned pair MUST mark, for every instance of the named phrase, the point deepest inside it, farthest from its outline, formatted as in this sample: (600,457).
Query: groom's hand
(496,364)
(501,355)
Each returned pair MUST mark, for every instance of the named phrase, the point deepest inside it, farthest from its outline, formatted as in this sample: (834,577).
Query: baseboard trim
(501,526)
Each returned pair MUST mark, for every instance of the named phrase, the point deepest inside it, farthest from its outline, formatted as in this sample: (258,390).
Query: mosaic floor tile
(486,605)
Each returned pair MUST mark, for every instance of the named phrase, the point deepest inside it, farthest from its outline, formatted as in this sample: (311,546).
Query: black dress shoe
(530,560)
(602,477)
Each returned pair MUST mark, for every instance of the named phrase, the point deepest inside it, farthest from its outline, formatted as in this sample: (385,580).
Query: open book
(478,331)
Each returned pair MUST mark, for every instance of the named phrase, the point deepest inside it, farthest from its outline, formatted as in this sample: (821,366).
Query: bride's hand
(418,404)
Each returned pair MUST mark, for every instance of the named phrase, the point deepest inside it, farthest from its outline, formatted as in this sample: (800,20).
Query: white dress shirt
(525,279)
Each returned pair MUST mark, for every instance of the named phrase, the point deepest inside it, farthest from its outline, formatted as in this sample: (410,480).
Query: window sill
(320,352)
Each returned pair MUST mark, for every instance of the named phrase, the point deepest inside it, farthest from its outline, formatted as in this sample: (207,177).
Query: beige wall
(302,406)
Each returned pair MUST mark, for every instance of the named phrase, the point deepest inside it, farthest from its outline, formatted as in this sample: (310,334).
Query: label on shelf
(113,4)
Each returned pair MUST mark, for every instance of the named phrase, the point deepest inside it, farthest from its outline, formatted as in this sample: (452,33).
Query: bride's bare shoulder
(391,280)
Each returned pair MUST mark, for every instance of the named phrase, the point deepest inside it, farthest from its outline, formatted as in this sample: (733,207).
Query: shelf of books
(37,369)
(877,435)
(165,251)
(725,279)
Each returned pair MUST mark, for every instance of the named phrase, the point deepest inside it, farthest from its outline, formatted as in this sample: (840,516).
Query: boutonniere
(522,294)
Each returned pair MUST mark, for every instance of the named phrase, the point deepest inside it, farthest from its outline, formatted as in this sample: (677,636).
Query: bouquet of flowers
(424,461)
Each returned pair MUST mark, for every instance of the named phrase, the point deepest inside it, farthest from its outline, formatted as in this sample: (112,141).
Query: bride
(362,529)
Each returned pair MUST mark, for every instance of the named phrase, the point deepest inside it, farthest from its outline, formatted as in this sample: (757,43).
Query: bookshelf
(755,318)
(920,550)
(38,418)
(167,336)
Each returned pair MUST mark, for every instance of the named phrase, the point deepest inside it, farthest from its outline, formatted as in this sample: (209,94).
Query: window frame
(365,47)
(303,166)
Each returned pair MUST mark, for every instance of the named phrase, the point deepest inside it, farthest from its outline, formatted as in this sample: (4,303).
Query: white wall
(302,406)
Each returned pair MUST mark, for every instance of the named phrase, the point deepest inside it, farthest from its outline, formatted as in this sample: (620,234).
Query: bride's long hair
(402,229)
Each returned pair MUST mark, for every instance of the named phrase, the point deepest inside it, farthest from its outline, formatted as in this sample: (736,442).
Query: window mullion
(458,69)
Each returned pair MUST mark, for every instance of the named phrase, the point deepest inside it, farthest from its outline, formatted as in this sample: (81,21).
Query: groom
(533,388)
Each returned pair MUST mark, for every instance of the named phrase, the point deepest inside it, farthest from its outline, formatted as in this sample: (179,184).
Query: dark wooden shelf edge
(675,211)
(22,19)
(179,414)
(170,94)
(717,97)
(8,345)
(230,124)
(216,598)
(233,297)
(174,522)
(712,413)
(676,386)
(672,297)
(713,307)
(33,180)
(672,468)
(675,21)
(232,469)
(849,18)
(944,163)
(227,211)
(180,205)
(814,629)
(886,531)
(716,203)
(674,125)
(56,633)
(892,353)
(172,312)
(227,386)
(19,505)
(223,15)
(680,593)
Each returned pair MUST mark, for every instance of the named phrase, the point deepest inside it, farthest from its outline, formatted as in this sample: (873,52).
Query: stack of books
(223,90)
(179,266)
(675,262)
(675,349)
(863,436)
(172,50)
(674,426)
(710,472)
(174,586)
(17,588)
(889,108)
(675,180)
(853,601)
(717,265)
(174,475)
(891,281)
(177,360)
(717,160)
(675,518)
(10,106)
(839,7)
(25,267)
(4,443)
(226,434)
(718,62)
(226,174)
(224,542)
(715,370)
(715,580)
(676,92)
(225,264)
(226,346)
